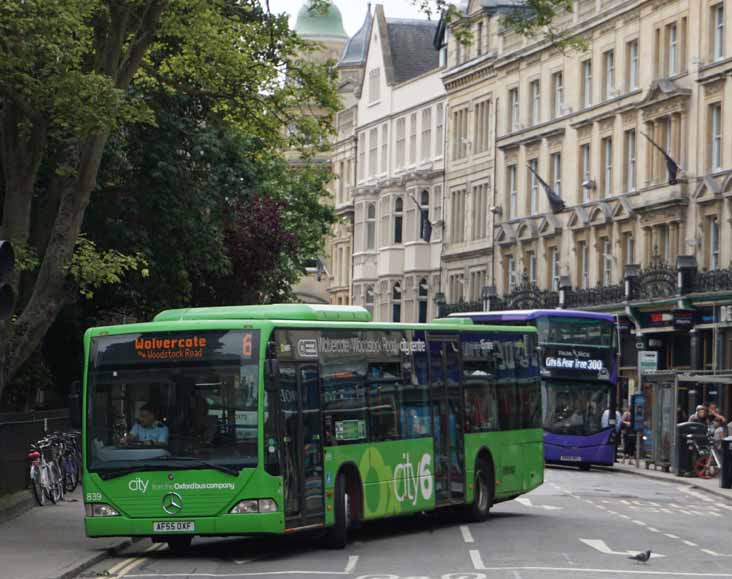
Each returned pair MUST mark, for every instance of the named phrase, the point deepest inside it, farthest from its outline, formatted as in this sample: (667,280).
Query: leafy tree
(75,73)
(219,215)
(530,18)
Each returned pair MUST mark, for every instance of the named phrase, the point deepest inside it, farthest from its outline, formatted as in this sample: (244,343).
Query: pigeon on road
(641,557)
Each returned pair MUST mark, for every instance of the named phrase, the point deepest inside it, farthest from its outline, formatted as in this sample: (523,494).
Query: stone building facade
(633,238)
(397,197)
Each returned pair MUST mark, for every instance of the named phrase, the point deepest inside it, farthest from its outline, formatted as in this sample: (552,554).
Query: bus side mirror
(272,374)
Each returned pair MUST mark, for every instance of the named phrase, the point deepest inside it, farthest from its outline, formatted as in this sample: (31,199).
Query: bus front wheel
(180,545)
(483,495)
(336,536)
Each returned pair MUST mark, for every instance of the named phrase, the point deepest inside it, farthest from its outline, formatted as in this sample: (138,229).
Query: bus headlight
(100,510)
(267,506)
(254,506)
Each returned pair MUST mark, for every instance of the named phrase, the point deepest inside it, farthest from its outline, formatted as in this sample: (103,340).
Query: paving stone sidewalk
(49,542)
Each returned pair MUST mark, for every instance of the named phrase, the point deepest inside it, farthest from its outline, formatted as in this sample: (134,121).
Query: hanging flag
(671,166)
(425,227)
(555,201)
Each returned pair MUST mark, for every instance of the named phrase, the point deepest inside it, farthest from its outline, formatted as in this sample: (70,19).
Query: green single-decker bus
(278,419)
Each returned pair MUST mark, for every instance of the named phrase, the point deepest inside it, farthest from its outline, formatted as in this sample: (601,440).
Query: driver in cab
(148,430)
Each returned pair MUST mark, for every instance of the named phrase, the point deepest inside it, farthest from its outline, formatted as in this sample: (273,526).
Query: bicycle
(707,464)
(45,478)
(69,459)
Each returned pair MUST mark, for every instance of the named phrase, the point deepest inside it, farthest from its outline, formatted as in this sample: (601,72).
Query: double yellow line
(124,567)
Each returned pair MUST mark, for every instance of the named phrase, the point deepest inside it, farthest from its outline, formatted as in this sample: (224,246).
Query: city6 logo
(137,485)
(411,480)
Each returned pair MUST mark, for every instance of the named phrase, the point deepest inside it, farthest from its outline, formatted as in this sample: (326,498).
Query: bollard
(725,477)
(638,436)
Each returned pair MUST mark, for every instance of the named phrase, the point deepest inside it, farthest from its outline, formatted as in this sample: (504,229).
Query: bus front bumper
(244,524)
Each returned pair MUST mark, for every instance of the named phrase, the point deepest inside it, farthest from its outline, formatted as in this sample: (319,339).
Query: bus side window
(481,404)
(415,410)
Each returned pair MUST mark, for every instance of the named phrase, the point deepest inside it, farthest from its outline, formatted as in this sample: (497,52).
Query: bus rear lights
(254,506)
(100,510)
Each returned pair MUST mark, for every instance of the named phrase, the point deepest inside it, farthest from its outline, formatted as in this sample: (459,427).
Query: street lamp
(440,302)
(487,294)
(632,273)
(565,284)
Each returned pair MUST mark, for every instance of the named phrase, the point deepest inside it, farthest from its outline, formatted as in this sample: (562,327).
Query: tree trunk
(51,290)
(21,160)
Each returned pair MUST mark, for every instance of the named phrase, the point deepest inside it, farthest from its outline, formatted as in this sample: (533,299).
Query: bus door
(302,445)
(447,407)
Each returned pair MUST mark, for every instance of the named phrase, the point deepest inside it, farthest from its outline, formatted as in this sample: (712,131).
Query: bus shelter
(668,399)
(659,392)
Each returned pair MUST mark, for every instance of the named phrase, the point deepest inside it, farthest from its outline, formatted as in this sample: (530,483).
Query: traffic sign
(647,361)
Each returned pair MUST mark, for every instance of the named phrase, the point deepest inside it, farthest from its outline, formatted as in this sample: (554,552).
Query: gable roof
(407,46)
(412,50)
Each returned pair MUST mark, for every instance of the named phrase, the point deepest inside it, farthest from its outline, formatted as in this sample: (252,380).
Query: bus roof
(305,312)
(526,315)
(268,324)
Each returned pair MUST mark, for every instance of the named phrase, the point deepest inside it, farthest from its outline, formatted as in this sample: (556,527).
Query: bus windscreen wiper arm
(233,471)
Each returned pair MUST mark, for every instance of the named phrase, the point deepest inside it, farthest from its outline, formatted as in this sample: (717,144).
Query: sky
(353,11)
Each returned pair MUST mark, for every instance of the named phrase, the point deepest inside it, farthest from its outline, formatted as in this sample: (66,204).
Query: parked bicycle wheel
(56,483)
(37,485)
(71,480)
(702,467)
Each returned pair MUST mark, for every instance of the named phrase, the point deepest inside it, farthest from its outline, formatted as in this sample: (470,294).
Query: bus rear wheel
(480,508)
(180,545)
(336,537)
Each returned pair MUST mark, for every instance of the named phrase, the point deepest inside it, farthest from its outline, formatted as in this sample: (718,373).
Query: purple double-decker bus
(579,369)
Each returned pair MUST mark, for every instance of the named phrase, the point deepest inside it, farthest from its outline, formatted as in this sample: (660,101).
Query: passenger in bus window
(148,430)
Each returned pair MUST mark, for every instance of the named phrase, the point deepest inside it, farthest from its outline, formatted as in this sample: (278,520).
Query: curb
(12,506)
(82,566)
(720,493)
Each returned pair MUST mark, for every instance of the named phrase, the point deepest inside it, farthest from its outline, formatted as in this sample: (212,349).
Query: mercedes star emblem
(172,503)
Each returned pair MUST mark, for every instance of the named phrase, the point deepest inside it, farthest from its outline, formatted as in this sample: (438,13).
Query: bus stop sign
(647,361)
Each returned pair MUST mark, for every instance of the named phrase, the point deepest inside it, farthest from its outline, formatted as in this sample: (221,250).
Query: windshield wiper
(232,470)
(110,473)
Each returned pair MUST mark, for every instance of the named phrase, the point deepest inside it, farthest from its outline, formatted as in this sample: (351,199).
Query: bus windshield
(162,413)
(576,331)
(575,407)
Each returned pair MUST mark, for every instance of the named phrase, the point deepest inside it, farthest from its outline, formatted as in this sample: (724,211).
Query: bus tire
(336,537)
(480,508)
(180,545)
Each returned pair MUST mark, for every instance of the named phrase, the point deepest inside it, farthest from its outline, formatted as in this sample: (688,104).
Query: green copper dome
(317,24)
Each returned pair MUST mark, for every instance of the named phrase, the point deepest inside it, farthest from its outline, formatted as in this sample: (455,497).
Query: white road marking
(351,566)
(527,503)
(612,512)
(721,506)
(467,535)
(714,553)
(601,507)
(690,543)
(600,545)
(624,516)
(670,536)
(476,560)
(641,523)
(653,530)
(701,497)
